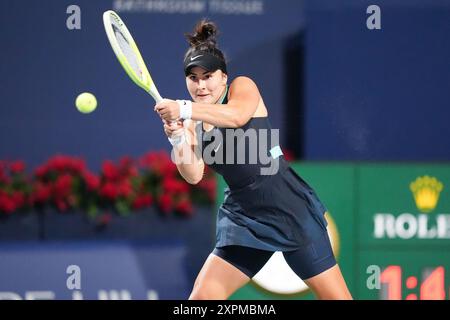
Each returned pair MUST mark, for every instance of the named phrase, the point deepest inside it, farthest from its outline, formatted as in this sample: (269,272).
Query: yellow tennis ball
(86,102)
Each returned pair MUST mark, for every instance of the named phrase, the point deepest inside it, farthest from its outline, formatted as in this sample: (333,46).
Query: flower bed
(65,184)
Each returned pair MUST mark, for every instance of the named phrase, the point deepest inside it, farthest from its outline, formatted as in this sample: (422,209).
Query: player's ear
(224,78)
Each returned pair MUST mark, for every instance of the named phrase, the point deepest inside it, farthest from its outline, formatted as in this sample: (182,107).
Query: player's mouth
(202,95)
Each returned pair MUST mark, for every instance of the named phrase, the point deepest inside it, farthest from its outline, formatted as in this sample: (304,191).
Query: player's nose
(201,84)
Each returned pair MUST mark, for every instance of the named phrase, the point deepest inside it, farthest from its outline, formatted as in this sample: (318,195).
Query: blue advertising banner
(91,270)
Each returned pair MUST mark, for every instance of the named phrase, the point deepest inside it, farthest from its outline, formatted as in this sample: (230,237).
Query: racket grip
(155,94)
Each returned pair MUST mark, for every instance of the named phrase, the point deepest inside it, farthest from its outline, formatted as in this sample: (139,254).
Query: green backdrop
(380,225)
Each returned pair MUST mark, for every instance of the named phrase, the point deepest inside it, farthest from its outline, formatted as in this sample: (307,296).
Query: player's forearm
(188,164)
(219,115)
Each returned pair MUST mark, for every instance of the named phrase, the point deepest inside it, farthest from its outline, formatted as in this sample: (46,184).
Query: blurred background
(92,208)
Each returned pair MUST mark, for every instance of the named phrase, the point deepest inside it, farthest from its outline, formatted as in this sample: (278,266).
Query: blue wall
(377,94)
(35,271)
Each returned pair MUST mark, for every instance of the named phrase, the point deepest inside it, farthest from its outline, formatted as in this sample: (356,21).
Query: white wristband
(185,109)
(177,140)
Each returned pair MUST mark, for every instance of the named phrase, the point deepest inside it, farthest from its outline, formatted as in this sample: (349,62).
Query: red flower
(184,207)
(169,169)
(92,181)
(57,163)
(175,186)
(109,191)
(77,165)
(165,202)
(10,203)
(142,201)
(41,193)
(61,205)
(61,164)
(64,182)
(7,205)
(124,189)
(18,197)
(127,168)
(133,171)
(41,171)
(63,186)
(109,170)
(149,160)
(17,167)
(159,163)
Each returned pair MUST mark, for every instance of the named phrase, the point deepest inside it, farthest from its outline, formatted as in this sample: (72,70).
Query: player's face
(205,86)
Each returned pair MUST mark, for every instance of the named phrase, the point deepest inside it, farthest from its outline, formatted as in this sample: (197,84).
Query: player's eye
(193,78)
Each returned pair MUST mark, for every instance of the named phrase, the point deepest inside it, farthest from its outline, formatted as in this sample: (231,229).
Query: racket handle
(178,139)
(155,94)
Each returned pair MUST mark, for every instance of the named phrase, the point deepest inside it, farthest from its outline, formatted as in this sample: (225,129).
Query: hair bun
(204,35)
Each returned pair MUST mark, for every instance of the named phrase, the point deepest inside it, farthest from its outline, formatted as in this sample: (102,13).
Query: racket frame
(147,82)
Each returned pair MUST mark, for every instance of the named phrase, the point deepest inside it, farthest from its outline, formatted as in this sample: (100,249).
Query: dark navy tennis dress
(266,212)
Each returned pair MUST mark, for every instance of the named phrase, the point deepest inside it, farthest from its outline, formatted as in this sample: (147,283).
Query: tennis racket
(128,54)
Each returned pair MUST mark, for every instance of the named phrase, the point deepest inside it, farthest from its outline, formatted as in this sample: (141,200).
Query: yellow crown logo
(426,192)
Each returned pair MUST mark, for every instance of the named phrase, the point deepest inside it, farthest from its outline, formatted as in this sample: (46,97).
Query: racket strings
(127,51)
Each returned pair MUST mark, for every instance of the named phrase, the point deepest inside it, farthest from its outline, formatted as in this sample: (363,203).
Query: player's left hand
(168,110)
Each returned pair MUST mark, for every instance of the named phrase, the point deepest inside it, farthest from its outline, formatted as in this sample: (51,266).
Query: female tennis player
(261,213)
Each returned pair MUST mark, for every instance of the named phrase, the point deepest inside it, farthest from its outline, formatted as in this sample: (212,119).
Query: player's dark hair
(204,39)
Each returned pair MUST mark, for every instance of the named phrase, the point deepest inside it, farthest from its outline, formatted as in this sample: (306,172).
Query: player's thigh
(329,285)
(217,280)
(316,265)
(227,269)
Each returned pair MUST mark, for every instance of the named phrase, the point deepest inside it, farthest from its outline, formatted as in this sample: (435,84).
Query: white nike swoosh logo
(215,150)
(193,58)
